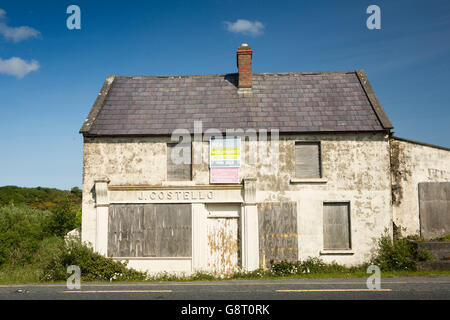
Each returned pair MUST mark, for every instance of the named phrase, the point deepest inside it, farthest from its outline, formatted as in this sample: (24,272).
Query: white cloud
(18,67)
(16,34)
(253,28)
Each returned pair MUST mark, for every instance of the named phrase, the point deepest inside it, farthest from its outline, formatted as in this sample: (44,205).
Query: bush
(21,231)
(76,191)
(400,254)
(63,219)
(93,266)
(283,268)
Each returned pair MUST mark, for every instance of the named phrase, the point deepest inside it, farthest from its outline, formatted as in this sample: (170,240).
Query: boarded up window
(178,162)
(307,160)
(434,209)
(277,232)
(149,230)
(336,225)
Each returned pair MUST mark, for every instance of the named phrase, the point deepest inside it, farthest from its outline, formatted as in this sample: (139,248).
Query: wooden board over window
(336,226)
(149,230)
(179,171)
(434,209)
(307,160)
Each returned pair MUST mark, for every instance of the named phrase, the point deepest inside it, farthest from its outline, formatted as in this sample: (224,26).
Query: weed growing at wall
(312,265)
(443,238)
(398,254)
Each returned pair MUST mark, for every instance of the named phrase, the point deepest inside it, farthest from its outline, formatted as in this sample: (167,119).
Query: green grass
(33,275)
(25,275)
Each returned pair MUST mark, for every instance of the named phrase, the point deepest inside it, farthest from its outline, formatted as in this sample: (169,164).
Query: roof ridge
(228,74)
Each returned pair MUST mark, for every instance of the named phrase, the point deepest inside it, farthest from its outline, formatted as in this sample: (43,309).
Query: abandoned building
(310,169)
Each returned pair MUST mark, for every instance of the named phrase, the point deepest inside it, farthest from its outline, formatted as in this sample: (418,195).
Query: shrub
(21,230)
(76,191)
(283,268)
(93,266)
(394,255)
(63,219)
(400,254)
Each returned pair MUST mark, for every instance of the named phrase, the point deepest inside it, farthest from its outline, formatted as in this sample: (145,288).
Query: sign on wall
(225,152)
(224,159)
(224,175)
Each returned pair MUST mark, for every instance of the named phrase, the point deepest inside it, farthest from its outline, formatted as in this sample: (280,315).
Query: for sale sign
(224,175)
(225,152)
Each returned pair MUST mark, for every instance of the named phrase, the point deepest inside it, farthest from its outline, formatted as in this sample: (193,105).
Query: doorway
(223,238)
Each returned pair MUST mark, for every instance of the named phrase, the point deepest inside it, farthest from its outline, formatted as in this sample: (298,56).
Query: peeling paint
(222,236)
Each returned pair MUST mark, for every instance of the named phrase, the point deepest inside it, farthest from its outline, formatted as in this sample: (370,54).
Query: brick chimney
(244,64)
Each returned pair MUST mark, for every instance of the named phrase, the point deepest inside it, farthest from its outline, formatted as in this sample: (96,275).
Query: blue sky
(47,91)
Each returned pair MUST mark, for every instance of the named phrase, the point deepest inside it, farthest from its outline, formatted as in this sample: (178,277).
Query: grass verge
(33,275)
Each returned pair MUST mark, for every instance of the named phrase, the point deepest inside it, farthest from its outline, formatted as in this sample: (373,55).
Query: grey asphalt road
(423,288)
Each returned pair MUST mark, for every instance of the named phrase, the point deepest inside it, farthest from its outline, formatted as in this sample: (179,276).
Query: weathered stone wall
(355,168)
(413,163)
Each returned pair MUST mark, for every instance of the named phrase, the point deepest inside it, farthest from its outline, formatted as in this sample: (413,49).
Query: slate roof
(290,102)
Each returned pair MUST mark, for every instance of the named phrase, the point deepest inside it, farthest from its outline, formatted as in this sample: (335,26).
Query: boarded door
(277,232)
(223,239)
(434,209)
(149,230)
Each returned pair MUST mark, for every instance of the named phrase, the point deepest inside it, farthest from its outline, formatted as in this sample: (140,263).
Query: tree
(63,219)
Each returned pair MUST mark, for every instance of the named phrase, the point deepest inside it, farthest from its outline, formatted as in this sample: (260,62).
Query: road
(422,288)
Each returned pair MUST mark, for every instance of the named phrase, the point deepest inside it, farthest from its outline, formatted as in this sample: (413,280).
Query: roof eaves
(98,104)
(376,105)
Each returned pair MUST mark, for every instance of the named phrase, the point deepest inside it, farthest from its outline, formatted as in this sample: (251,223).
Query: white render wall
(413,163)
(355,167)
